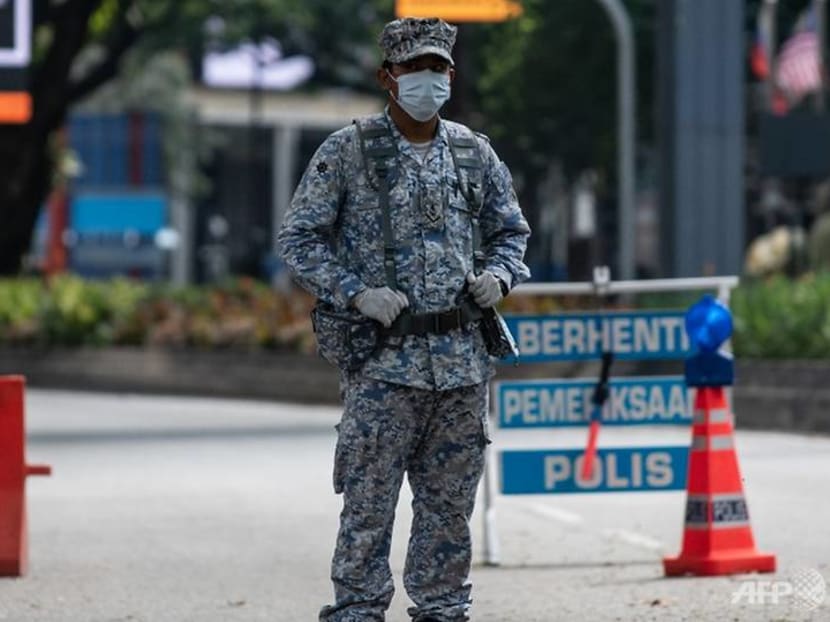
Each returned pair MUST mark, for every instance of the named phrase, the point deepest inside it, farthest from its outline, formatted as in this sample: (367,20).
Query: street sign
(630,335)
(620,469)
(563,403)
(15,33)
(15,54)
(460,10)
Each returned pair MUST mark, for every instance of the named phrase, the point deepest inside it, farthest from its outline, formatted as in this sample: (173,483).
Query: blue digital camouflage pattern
(438,438)
(332,241)
(410,37)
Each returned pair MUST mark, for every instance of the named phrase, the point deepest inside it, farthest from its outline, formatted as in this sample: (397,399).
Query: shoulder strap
(469,167)
(378,151)
(469,170)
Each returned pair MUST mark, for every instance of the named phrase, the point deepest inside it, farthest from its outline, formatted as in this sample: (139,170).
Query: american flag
(799,63)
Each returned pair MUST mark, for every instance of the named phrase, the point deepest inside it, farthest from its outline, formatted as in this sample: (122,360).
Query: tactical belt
(433,323)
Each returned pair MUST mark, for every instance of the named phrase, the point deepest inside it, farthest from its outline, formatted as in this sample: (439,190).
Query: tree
(547,87)
(81,44)
(62,32)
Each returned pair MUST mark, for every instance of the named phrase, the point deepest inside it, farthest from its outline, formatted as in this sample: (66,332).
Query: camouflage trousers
(438,439)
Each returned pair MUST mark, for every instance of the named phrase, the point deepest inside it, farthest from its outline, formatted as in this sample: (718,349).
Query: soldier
(407,224)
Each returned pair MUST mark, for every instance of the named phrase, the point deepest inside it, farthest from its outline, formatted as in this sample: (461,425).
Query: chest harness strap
(380,156)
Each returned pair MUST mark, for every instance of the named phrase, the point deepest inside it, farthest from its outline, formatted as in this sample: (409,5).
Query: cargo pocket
(354,454)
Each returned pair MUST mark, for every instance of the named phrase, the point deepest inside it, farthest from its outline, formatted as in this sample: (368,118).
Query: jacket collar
(439,142)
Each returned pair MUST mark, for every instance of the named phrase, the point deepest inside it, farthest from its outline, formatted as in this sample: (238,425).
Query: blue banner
(619,469)
(560,403)
(576,336)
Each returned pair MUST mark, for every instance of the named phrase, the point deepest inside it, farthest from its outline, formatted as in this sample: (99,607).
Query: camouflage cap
(410,37)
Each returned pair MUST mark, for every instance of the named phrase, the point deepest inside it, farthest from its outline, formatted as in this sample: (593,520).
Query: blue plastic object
(708,324)
(710,369)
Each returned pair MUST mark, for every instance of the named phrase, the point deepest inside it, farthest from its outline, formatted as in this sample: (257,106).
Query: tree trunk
(25,157)
(23,188)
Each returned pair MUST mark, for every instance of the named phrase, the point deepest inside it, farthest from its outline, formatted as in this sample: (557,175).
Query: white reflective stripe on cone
(718,442)
(719,415)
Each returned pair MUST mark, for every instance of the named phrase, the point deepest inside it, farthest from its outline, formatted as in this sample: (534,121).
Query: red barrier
(14,558)
(717,539)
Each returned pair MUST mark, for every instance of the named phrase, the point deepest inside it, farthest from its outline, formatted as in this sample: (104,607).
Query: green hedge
(69,311)
(783,318)
(776,318)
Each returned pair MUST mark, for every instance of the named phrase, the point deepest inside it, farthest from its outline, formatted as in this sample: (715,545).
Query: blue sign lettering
(576,336)
(558,403)
(620,469)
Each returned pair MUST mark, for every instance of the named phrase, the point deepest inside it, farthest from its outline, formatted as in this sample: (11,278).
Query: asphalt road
(173,509)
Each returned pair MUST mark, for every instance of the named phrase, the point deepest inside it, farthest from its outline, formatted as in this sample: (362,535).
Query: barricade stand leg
(492,554)
(14,557)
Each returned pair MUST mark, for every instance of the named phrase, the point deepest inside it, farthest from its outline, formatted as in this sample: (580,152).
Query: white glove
(485,288)
(381,303)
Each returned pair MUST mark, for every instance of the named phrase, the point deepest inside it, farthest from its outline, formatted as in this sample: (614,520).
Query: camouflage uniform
(419,404)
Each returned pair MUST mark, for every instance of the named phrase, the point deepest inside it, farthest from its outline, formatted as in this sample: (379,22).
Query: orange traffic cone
(717,537)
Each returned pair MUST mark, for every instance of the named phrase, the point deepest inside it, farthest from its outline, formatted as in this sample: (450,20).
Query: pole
(820,8)
(770,28)
(492,552)
(719,283)
(626,106)
(181,209)
(285,143)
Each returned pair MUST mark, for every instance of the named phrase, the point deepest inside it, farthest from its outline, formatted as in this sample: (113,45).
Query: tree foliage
(542,86)
(547,82)
(81,44)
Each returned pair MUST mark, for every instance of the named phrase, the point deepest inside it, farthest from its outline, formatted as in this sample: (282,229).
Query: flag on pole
(799,63)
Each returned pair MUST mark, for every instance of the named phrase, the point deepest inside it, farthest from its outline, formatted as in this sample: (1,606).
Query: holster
(497,337)
(345,339)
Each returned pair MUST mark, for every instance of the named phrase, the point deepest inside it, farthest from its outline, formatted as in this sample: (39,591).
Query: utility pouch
(497,337)
(345,339)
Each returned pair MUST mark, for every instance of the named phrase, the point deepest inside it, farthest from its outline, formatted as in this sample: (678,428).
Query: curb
(777,395)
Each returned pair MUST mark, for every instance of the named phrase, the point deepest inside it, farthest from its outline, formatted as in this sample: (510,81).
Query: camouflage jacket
(332,241)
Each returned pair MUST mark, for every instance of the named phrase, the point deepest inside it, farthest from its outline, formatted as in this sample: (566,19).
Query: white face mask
(422,93)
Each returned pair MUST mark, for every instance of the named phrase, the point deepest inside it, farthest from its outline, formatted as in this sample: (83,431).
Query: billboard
(15,54)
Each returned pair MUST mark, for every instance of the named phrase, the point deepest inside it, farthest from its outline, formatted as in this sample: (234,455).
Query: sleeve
(504,229)
(305,238)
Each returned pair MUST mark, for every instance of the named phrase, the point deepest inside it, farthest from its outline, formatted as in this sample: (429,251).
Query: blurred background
(149,150)
(664,138)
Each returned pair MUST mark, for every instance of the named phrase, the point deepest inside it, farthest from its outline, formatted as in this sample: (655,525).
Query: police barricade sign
(561,403)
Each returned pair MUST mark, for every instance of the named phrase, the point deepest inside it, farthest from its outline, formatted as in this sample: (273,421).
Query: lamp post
(626,110)
(821,29)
